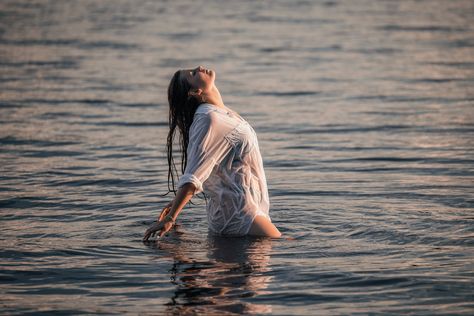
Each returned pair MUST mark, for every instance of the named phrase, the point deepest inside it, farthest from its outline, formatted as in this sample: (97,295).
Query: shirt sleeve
(206,148)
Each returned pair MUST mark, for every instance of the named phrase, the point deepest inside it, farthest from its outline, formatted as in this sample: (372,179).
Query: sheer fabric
(224,161)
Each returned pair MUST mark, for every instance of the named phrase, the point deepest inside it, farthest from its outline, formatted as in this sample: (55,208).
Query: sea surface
(364,112)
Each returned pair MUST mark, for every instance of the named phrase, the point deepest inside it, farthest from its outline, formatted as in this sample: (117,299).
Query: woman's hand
(161,223)
(161,227)
(166,219)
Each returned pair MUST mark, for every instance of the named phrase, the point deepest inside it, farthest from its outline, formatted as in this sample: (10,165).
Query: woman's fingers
(146,236)
(151,231)
(158,228)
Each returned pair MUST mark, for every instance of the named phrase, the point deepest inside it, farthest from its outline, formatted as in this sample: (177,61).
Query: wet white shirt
(224,161)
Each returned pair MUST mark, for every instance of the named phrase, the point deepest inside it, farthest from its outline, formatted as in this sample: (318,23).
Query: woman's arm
(184,194)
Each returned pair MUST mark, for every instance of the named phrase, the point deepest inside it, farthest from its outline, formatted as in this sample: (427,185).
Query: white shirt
(224,161)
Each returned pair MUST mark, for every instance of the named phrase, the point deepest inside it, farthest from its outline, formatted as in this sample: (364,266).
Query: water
(364,113)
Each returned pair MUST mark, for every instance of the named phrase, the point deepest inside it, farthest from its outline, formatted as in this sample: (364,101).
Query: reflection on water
(218,277)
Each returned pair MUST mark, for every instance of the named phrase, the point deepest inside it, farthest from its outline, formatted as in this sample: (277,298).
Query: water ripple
(365,124)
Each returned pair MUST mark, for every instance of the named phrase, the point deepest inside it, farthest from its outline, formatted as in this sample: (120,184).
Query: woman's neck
(214,97)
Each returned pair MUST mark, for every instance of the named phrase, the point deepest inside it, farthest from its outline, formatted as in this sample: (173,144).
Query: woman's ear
(194,92)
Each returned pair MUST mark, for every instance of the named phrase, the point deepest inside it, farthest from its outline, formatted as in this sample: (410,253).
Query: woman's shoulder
(215,112)
(205,117)
(213,119)
(206,108)
(205,113)
(210,114)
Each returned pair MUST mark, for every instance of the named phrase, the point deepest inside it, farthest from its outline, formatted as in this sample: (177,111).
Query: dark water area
(364,114)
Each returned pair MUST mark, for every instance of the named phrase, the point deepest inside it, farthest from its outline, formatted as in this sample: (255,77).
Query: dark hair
(181,113)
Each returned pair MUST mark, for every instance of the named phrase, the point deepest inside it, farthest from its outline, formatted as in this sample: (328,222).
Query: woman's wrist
(169,218)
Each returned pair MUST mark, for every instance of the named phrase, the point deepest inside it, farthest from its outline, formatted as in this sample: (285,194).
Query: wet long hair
(182,107)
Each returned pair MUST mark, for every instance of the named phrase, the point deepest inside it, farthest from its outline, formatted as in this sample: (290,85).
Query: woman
(220,157)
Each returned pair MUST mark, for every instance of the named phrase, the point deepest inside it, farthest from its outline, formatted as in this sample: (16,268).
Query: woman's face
(199,78)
